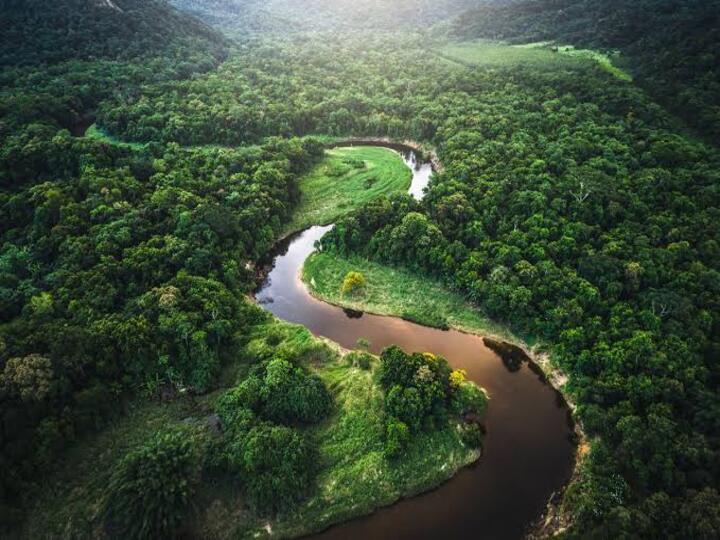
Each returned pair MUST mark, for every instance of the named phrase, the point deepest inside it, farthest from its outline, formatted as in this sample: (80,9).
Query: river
(528,451)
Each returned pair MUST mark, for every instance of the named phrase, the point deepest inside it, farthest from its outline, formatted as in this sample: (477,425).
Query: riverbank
(399,293)
(355,477)
(345,179)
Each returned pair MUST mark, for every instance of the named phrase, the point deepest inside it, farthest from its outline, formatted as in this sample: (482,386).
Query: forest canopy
(572,206)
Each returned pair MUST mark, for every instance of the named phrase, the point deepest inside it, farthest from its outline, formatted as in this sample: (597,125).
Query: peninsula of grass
(355,477)
(395,292)
(345,179)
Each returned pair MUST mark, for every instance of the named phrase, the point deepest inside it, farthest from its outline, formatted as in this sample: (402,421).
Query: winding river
(528,450)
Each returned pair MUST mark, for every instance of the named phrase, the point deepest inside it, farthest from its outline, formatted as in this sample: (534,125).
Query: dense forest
(577,208)
(671,45)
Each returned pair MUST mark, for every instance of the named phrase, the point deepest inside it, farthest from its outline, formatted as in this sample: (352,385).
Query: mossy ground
(345,179)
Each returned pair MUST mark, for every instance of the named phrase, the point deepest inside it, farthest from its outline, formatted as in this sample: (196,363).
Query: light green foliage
(397,437)
(353,284)
(345,179)
(492,54)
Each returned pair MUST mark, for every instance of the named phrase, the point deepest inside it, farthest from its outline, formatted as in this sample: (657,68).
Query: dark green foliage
(35,31)
(152,487)
(273,463)
(472,434)
(407,405)
(292,394)
(671,45)
(235,411)
(277,466)
(417,388)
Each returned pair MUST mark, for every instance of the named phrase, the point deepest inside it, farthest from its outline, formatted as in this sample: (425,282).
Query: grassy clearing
(344,180)
(602,59)
(491,54)
(396,292)
(355,477)
(544,54)
(94,132)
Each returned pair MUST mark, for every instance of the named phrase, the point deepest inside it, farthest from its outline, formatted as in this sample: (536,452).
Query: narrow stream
(528,450)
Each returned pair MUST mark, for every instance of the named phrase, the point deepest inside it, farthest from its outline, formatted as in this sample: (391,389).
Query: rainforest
(360,269)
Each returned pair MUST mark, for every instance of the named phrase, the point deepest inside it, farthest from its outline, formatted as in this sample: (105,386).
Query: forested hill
(672,45)
(281,16)
(37,31)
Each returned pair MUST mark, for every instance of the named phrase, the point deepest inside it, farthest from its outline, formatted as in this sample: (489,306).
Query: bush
(397,437)
(359,359)
(292,394)
(468,398)
(353,283)
(471,434)
(407,405)
(152,486)
(278,466)
(234,411)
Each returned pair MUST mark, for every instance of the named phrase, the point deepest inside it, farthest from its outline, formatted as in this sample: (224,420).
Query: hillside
(36,31)
(283,16)
(671,45)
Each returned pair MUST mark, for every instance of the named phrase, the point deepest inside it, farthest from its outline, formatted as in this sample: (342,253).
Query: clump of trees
(421,392)
(152,487)
(262,446)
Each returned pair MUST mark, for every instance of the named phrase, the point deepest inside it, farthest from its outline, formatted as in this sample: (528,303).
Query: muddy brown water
(528,450)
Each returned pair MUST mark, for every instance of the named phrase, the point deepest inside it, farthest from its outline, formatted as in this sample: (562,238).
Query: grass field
(355,476)
(491,54)
(396,292)
(540,54)
(344,180)
(94,132)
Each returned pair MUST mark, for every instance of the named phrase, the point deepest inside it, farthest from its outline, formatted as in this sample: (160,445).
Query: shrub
(234,411)
(468,398)
(397,437)
(397,368)
(277,464)
(292,394)
(354,163)
(353,283)
(471,434)
(359,359)
(407,405)
(152,486)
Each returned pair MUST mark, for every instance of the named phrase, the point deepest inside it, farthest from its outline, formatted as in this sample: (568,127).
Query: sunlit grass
(396,292)
(345,179)
(492,54)
(544,54)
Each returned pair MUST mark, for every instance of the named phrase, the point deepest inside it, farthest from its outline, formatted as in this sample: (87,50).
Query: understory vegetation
(572,205)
